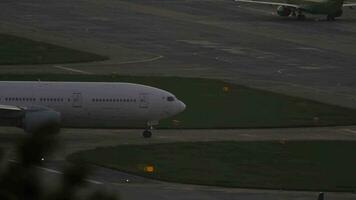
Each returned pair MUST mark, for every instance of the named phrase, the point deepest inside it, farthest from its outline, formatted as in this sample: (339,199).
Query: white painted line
(71,69)
(280,71)
(94,182)
(309,68)
(141,61)
(50,170)
(349,131)
(59,172)
(309,49)
(247,135)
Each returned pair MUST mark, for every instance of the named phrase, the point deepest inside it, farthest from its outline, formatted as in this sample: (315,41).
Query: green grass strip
(294,165)
(17,50)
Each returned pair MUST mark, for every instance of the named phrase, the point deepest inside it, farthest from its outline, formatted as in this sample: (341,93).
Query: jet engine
(41,119)
(283,11)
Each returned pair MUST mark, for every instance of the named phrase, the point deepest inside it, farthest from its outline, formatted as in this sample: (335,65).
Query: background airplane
(37,105)
(330,8)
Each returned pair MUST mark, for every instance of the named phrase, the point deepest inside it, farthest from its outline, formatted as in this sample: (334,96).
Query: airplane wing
(9,108)
(7,111)
(349,5)
(10,115)
(270,3)
(30,118)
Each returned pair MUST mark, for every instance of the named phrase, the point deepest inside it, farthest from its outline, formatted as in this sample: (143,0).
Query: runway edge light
(226,88)
(149,169)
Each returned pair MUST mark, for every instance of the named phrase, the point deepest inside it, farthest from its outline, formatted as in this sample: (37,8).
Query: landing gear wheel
(330,18)
(146,134)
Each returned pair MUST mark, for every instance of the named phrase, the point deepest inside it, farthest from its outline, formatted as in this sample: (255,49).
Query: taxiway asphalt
(221,39)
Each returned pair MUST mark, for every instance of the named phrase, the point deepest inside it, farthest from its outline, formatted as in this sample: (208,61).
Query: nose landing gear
(147,133)
(330,18)
(301,17)
(149,126)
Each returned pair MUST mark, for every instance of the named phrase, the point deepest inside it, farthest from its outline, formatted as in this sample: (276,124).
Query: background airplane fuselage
(321,7)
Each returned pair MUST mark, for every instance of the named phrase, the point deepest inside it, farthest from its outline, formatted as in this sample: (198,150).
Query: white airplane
(36,105)
(330,8)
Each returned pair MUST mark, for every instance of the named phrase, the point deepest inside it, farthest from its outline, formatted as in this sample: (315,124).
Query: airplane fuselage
(94,105)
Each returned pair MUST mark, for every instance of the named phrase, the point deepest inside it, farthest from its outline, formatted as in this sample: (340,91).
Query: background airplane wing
(269,3)
(349,5)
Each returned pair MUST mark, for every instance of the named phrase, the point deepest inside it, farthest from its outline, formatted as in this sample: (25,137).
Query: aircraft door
(77,100)
(143,101)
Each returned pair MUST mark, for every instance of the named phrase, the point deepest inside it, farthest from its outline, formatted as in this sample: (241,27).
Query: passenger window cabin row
(26,99)
(19,99)
(114,100)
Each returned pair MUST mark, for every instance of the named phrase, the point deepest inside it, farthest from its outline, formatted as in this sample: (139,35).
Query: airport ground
(214,39)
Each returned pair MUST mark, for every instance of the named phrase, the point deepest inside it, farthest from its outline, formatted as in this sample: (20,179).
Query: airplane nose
(182,106)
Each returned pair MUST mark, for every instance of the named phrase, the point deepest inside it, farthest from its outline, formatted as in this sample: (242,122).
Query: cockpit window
(170,98)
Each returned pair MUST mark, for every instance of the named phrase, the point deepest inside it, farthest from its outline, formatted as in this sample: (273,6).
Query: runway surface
(218,39)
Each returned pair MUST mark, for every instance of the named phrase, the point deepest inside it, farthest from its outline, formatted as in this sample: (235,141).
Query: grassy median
(294,165)
(17,50)
(217,104)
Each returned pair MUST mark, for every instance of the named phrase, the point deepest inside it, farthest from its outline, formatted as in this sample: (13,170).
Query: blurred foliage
(21,179)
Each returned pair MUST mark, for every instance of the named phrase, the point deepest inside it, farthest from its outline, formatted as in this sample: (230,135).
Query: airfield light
(226,89)
(149,169)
